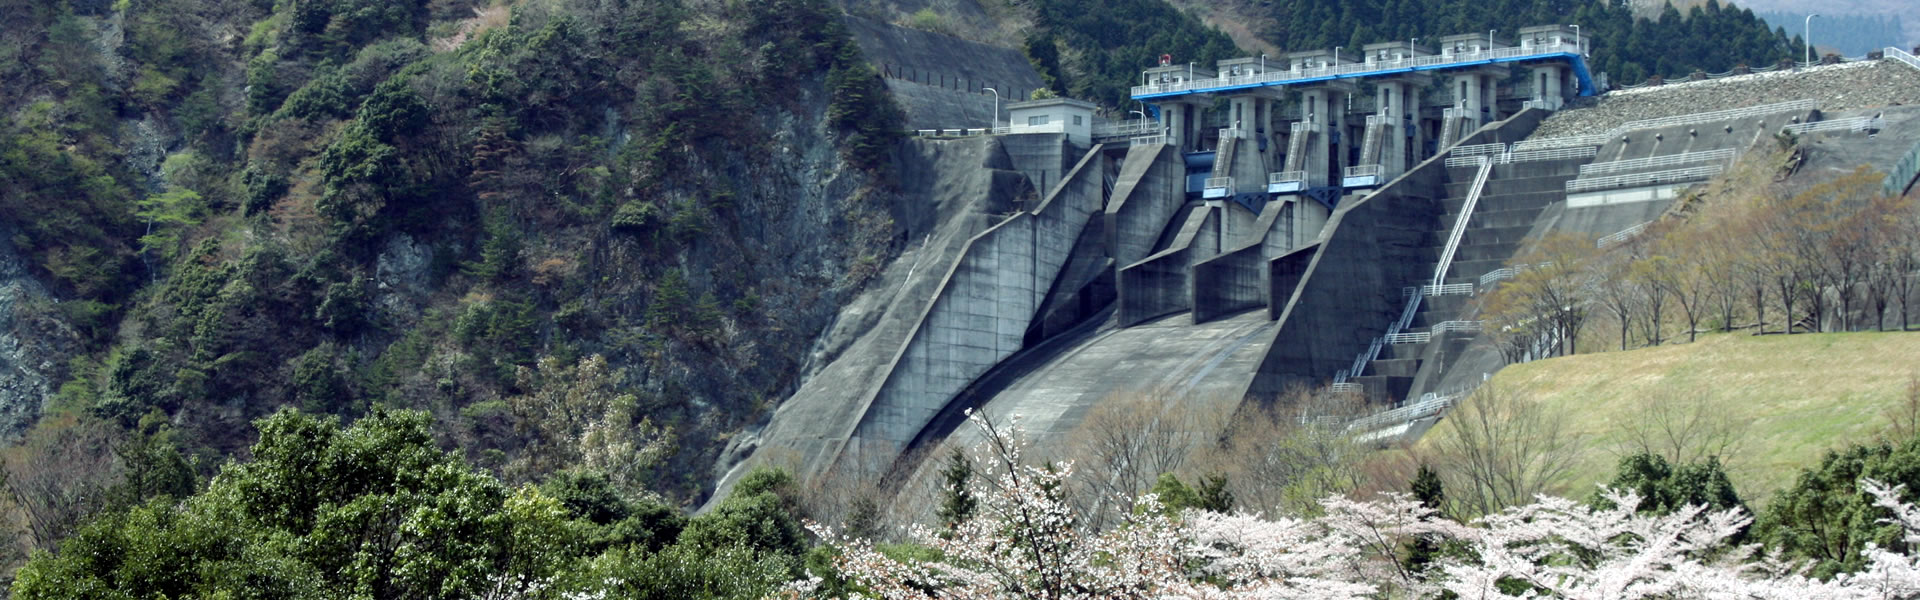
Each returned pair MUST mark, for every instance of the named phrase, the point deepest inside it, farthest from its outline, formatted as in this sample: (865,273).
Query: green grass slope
(1787,399)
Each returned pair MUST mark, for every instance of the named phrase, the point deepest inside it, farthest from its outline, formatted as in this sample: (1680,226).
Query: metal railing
(1640,179)
(1369,145)
(1366,356)
(1214,183)
(1479,150)
(1854,124)
(1060,127)
(1281,77)
(1902,56)
(1451,289)
(1362,171)
(1125,129)
(1903,173)
(1286,177)
(1524,156)
(1500,274)
(1417,337)
(1562,142)
(1148,139)
(1635,164)
(1551,154)
(1428,405)
(1467,326)
(1621,235)
(1460,222)
(1540,104)
(1233,133)
(1297,144)
(1720,115)
(1343,387)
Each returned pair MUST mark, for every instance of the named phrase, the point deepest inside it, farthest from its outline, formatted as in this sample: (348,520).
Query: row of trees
(1664,533)
(1836,255)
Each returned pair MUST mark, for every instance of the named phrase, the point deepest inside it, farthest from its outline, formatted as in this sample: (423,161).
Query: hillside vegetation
(1774,403)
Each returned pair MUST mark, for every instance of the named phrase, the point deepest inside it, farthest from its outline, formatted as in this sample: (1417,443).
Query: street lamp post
(1143,118)
(1336,60)
(1410,42)
(1489,47)
(996,110)
(1263,64)
(1806,31)
(1578,44)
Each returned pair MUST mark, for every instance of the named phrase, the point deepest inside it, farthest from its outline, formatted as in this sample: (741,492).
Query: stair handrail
(1460,222)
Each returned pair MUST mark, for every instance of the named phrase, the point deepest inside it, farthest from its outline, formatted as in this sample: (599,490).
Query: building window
(1039,120)
(1076,120)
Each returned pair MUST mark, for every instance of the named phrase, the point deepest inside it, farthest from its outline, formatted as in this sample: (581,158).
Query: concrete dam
(1318,219)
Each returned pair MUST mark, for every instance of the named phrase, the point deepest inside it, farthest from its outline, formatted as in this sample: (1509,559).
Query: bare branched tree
(1128,440)
(1502,449)
(1683,427)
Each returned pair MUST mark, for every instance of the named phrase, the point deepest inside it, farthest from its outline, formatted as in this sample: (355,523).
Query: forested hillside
(574,232)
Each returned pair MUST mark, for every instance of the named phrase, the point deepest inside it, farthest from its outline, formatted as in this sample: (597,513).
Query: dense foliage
(1095,50)
(448,205)
(376,510)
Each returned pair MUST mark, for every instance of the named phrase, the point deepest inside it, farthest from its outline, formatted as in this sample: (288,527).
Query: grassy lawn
(1794,397)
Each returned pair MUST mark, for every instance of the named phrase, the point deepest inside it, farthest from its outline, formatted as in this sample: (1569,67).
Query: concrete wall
(1041,156)
(1350,290)
(1162,284)
(984,307)
(1149,192)
(1236,280)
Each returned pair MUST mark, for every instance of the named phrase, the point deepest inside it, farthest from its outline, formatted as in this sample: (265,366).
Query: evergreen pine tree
(959,503)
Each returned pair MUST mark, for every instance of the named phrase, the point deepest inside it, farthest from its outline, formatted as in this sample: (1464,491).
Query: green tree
(1825,517)
(957,504)
(373,510)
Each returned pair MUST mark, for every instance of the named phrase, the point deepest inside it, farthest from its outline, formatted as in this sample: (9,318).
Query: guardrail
(1214,183)
(1640,179)
(1902,175)
(1428,405)
(1361,171)
(1417,337)
(1479,149)
(1634,164)
(1855,124)
(1500,274)
(1621,235)
(1460,222)
(1286,177)
(1451,289)
(1902,56)
(1525,156)
(1562,142)
(1343,387)
(1234,133)
(1468,326)
(1125,129)
(1351,70)
(1148,139)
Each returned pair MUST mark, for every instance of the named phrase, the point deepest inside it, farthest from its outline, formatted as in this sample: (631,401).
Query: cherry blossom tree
(1025,541)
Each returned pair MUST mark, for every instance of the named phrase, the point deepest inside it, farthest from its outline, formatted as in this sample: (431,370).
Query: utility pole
(1806,31)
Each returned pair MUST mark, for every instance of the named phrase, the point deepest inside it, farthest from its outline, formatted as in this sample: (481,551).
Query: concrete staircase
(1514,197)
